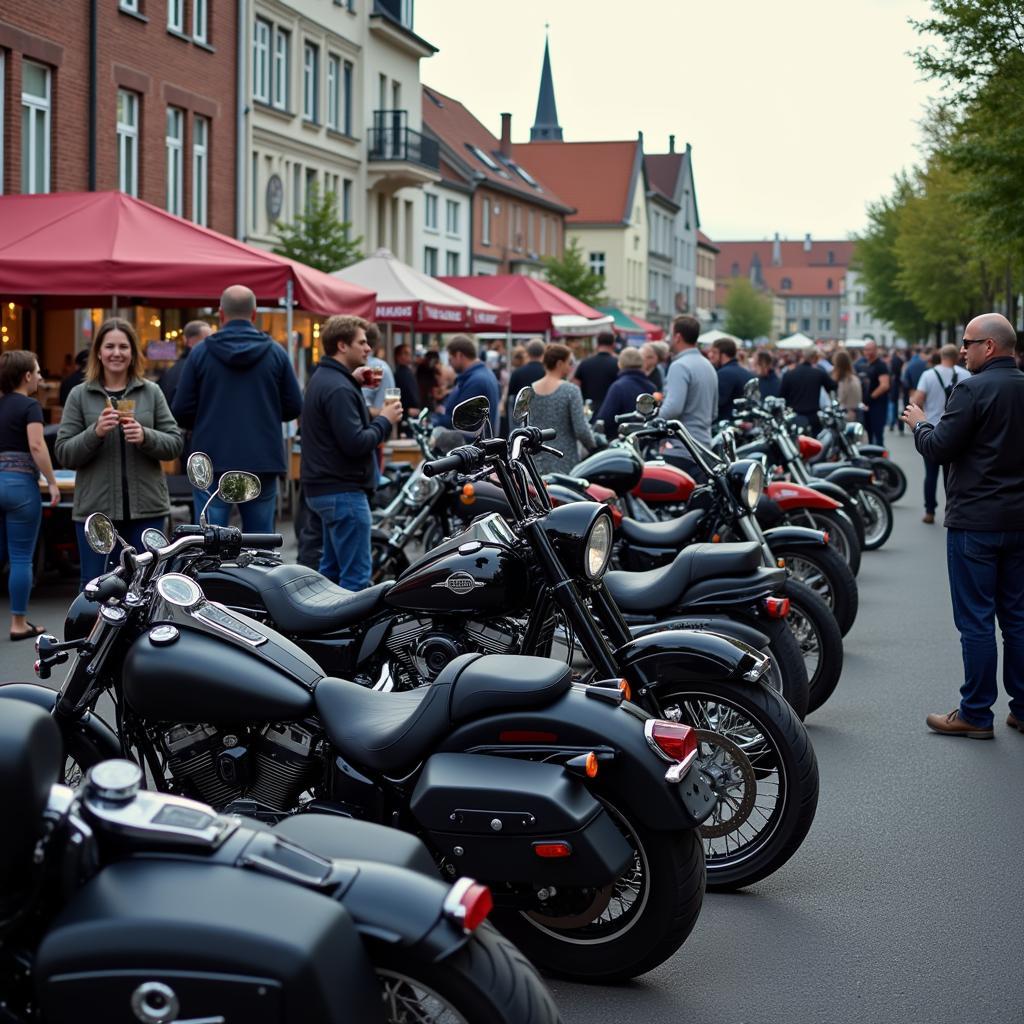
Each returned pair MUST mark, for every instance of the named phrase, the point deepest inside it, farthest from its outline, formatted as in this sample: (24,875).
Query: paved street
(903,904)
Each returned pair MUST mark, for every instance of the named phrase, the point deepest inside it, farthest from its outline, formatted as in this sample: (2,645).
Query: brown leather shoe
(928,518)
(1014,723)
(953,725)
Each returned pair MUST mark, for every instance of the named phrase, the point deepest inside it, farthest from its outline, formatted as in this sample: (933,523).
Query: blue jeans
(986,579)
(257,516)
(931,484)
(346,524)
(94,564)
(21,510)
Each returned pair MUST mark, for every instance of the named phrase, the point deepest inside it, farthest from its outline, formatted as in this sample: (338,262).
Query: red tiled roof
(792,253)
(803,280)
(663,172)
(596,177)
(703,239)
(457,128)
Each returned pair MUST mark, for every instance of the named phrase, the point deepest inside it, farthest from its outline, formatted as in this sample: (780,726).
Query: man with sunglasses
(980,437)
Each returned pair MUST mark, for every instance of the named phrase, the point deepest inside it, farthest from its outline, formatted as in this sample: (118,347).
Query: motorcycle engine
(270,766)
(420,648)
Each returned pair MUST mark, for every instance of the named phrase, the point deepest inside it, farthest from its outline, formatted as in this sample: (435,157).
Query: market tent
(710,337)
(423,303)
(535,306)
(653,331)
(854,343)
(795,342)
(632,328)
(71,249)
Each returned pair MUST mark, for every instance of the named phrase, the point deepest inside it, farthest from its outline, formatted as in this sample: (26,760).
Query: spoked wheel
(814,626)
(488,979)
(73,772)
(890,478)
(877,514)
(842,534)
(627,927)
(828,576)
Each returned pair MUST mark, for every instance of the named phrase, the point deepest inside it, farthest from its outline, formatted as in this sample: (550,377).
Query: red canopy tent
(72,248)
(534,305)
(654,332)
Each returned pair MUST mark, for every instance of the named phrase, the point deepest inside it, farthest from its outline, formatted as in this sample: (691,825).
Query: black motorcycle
(575,806)
(520,585)
(119,904)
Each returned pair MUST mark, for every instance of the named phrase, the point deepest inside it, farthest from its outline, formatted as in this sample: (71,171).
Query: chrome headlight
(855,431)
(419,489)
(599,548)
(746,478)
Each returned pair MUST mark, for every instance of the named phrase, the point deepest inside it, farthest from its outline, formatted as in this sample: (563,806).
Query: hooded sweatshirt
(236,389)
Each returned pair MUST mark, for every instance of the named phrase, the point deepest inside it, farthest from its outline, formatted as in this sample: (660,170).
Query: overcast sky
(798,111)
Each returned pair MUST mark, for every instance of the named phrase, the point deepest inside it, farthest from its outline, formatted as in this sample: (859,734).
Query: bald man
(980,435)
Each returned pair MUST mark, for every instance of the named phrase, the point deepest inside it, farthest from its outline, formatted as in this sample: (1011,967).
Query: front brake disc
(729,768)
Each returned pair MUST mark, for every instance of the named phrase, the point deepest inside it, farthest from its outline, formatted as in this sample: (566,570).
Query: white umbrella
(795,342)
(710,337)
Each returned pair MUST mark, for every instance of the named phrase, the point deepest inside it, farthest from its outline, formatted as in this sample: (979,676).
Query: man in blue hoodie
(473,379)
(235,391)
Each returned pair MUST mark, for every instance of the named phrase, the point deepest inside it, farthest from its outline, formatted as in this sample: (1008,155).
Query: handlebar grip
(262,540)
(548,434)
(627,417)
(438,466)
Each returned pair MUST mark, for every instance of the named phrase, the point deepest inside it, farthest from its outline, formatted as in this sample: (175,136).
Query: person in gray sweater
(691,387)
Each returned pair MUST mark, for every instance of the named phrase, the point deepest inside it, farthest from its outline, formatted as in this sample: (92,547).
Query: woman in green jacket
(115,431)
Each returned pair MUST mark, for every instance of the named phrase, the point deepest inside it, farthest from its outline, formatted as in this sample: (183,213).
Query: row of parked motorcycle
(580,705)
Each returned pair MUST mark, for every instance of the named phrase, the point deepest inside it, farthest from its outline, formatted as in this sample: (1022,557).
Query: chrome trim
(678,771)
(452,907)
(652,743)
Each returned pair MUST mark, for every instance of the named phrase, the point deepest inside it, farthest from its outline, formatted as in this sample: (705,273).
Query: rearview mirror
(752,389)
(237,487)
(199,470)
(471,415)
(100,533)
(646,404)
(153,539)
(521,409)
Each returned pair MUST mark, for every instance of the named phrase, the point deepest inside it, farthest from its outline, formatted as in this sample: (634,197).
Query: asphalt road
(904,902)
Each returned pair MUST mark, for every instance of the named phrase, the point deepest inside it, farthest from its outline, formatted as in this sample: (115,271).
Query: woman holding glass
(116,429)
(23,456)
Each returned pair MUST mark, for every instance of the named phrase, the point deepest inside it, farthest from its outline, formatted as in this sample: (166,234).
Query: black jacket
(621,398)
(801,388)
(979,436)
(731,379)
(339,440)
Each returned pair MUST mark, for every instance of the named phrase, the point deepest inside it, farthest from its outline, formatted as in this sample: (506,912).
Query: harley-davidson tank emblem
(460,583)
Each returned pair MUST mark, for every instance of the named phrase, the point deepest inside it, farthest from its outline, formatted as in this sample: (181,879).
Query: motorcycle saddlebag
(500,819)
(209,942)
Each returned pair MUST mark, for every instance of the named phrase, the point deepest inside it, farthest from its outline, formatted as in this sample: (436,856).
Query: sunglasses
(967,342)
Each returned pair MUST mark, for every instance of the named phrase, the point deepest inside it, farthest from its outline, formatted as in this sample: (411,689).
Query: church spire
(545,125)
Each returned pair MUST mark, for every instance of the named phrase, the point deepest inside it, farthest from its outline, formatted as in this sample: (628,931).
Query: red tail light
(885,453)
(552,850)
(776,607)
(809,446)
(468,903)
(671,741)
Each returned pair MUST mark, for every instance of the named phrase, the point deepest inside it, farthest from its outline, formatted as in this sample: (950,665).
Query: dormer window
(787,284)
(482,157)
(830,281)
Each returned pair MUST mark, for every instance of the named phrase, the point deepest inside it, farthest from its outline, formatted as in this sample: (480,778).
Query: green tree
(317,237)
(748,312)
(572,274)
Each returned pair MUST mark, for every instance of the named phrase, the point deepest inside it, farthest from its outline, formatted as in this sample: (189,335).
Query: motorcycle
(510,586)
(576,807)
(149,907)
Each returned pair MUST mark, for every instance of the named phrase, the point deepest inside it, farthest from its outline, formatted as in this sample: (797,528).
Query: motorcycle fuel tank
(475,578)
(662,483)
(618,469)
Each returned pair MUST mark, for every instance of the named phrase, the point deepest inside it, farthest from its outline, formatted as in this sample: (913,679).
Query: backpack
(953,381)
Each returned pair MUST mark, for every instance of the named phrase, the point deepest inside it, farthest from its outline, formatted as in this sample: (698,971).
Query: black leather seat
(390,732)
(304,603)
(664,587)
(668,533)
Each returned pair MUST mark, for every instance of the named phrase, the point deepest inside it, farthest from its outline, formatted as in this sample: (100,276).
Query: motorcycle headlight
(855,431)
(419,489)
(599,548)
(746,478)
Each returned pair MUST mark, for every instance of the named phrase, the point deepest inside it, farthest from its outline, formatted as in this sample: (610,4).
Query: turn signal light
(672,741)
(780,562)
(716,538)
(824,534)
(776,607)
(468,903)
(625,689)
(552,850)
(591,765)
(468,495)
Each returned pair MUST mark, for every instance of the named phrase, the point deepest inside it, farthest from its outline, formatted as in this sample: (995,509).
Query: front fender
(794,537)
(88,738)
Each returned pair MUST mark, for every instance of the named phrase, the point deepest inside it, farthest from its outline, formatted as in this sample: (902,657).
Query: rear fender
(707,623)
(794,537)
(791,496)
(850,477)
(873,451)
(88,735)
(576,723)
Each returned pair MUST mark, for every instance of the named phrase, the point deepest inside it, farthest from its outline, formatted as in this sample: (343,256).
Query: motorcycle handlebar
(450,462)
(262,540)
(548,434)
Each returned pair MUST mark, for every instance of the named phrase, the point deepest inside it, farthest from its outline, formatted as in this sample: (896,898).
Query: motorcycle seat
(665,586)
(390,732)
(302,602)
(667,533)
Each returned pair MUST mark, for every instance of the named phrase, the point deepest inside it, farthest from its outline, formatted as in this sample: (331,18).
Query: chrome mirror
(153,539)
(646,404)
(471,416)
(100,533)
(236,487)
(199,470)
(521,409)
(752,389)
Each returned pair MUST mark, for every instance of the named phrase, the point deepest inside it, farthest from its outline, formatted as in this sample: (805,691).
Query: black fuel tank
(476,578)
(201,678)
(618,469)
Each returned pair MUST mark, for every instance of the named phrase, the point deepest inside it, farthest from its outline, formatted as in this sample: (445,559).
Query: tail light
(552,851)
(776,607)
(468,903)
(809,446)
(885,453)
(671,741)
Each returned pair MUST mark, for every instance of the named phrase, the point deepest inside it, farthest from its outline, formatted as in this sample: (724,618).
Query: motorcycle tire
(670,866)
(817,633)
(889,478)
(824,571)
(837,524)
(877,513)
(767,770)
(384,563)
(487,980)
(788,659)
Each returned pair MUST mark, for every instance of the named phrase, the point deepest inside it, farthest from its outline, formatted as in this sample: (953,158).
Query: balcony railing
(404,144)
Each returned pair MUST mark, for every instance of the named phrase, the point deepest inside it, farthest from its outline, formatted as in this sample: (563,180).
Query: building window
(261,61)
(311,186)
(311,82)
(792,307)
(200,27)
(176,15)
(787,284)
(485,223)
(35,128)
(296,190)
(346,205)
(333,91)
(451,264)
(200,169)
(347,120)
(825,306)
(131,6)
(255,211)
(805,324)
(128,142)
(430,212)
(430,260)
(543,248)
(805,306)
(174,141)
(451,217)
(824,324)
(596,261)
(282,68)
